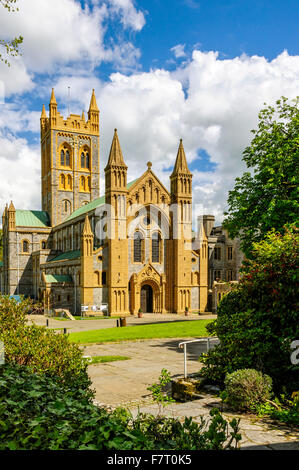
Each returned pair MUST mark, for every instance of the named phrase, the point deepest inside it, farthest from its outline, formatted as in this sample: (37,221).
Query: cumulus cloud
(179,51)
(211,103)
(130,17)
(61,33)
(20,173)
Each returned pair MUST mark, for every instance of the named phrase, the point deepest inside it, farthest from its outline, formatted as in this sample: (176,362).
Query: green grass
(102,359)
(179,329)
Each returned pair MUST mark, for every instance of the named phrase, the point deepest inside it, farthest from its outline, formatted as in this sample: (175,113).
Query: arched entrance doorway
(146,298)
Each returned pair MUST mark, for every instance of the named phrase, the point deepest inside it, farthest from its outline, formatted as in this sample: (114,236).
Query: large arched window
(156,242)
(65,156)
(138,247)
(85,158)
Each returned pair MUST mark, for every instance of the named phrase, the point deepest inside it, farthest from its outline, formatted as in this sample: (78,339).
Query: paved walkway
(125,382)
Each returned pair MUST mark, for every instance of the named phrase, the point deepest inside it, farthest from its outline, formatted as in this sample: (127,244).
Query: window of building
(68,298)
(25,246)
(43,245)
(85,159)
(217,275)
(104,278)
(137,247)
(58,298)
(229,275)
(229,253)
(156,240)
(65,156)
(217,253)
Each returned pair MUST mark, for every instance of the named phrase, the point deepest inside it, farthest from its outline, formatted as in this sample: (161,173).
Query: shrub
(40,349)
(284,410)
(36,412)
(246,388)
(259,319)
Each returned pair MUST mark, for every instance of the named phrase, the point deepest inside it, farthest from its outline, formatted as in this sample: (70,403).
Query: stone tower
(181,234)
(116,196)
(69,160)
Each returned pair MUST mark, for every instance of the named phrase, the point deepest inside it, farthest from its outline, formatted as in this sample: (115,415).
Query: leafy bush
(40,349)
(284,410)
(159,390)
(37,412)
(258,320)
(246,388)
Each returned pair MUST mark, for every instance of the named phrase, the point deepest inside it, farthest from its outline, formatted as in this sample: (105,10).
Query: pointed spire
(11,207)
(93,103)
(115,156)
(87,228)
(181,161)
(83,116)
(53,99)
(44,114)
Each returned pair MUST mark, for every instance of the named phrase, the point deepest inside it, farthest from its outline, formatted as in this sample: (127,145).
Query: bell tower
(116,196)
(70,166)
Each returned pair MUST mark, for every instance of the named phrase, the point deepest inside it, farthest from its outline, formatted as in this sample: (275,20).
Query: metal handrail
(184,344)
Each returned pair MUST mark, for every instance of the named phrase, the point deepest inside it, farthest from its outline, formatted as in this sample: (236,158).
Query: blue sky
(161,69)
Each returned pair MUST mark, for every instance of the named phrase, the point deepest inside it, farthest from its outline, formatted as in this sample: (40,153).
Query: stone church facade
(132,249)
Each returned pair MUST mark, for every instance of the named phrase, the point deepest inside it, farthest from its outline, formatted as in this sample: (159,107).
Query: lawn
(103,359)
(178,329)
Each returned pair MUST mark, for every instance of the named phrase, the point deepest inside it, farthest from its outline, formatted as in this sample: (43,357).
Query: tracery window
(137,247)
(156,240)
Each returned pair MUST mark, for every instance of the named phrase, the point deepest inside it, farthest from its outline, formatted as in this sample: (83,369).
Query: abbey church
(133,248)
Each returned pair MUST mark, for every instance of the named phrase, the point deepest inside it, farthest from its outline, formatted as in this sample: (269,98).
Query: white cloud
(130,17)
(179,51)
(59,34)
(20,174)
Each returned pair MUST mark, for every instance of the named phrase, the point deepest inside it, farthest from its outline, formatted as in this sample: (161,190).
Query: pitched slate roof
(26,218)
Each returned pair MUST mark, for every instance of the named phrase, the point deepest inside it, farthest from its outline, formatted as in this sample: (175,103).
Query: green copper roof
(92,205)
(69,255)
(32,219)
(58,278)
(87,207)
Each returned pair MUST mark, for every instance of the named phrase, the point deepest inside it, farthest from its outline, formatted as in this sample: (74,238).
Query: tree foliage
(267,197)
(11,46)
(258,320)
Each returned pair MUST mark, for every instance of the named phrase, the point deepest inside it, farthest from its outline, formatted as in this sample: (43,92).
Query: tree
(259,319)
(267,197)
(11,47)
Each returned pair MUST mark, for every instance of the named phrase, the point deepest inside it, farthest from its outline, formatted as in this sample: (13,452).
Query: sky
(200,70)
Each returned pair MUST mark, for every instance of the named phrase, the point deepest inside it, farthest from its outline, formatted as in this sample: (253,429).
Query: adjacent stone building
(132,248)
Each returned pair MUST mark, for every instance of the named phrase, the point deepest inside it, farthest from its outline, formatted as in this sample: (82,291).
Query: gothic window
(69,182)
(85,159)
(25,246)
(67,158)
(104,280)
(43,245)
(229,275)
(229,253)
(156,240)
(62,158)
(137,247)
(82,184)
(62,181)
